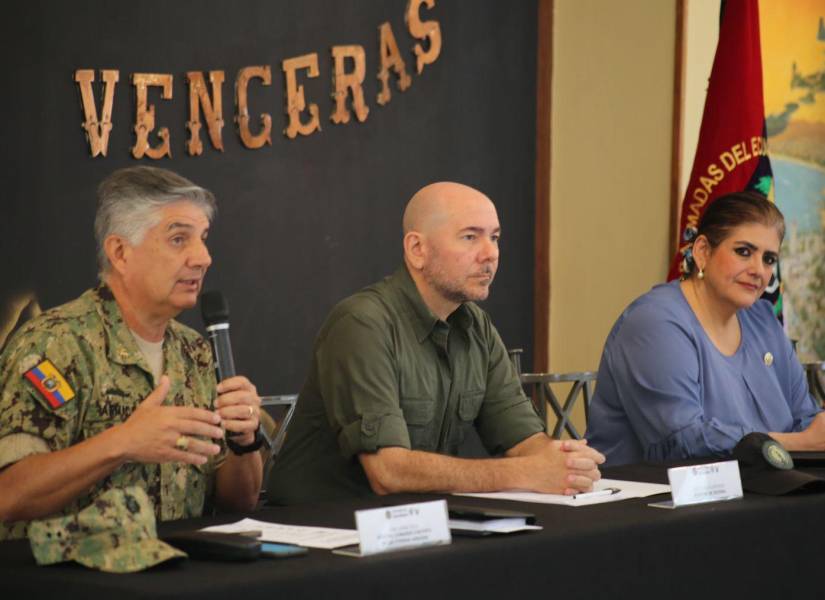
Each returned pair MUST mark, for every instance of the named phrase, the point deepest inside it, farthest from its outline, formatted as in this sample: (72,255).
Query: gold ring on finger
(182,443)
(251,411)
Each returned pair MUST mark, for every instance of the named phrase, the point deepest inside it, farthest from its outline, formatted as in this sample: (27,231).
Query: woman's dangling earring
(700,274)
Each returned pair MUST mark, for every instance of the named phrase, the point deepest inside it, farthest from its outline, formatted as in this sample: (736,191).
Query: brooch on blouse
(768,358)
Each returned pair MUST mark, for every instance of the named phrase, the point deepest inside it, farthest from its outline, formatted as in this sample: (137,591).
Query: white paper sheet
(311,537)
(627,489)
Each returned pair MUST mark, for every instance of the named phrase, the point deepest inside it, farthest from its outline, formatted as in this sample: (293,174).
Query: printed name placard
(394,528)
(703,483)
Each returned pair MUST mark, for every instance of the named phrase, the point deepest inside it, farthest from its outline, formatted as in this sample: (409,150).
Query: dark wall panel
(301,223)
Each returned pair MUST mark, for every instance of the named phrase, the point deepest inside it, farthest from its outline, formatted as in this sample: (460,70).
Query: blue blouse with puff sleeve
(664,392)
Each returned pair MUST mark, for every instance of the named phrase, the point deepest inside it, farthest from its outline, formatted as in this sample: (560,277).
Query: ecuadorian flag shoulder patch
(50,383)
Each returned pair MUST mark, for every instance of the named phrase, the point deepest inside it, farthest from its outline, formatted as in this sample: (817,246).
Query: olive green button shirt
(90,346)
(386,372)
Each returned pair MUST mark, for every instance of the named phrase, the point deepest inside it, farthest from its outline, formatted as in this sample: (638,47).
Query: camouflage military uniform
(88,343)
(116,533)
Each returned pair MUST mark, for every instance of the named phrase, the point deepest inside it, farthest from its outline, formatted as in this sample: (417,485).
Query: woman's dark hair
(729,212)
(740,208)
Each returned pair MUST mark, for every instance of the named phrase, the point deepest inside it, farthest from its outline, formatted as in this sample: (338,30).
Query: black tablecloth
(758,546)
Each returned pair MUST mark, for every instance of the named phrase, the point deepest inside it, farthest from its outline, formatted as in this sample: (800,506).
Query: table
(758,547)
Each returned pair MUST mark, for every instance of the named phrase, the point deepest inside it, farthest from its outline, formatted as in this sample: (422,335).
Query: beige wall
(701,35)
(613,65)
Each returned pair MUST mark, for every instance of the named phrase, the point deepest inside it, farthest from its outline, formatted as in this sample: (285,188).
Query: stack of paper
(604,490)
(492,525)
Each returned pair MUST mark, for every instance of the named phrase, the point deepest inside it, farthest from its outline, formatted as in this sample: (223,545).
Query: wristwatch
(239,450)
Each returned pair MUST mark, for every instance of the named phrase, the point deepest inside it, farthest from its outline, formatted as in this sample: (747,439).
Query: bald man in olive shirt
(402,369)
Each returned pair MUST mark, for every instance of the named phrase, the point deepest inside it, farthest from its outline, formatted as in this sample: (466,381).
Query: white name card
(400,527)
(703,483)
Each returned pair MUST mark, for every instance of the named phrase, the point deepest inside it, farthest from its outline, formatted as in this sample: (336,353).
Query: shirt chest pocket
(419,413)
(469,405)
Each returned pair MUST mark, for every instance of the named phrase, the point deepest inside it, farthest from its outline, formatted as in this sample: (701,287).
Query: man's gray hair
(129,202)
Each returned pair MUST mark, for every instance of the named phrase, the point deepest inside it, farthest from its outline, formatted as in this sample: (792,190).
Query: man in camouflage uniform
(108,391)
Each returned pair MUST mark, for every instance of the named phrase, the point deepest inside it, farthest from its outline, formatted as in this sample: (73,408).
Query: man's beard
(453,290)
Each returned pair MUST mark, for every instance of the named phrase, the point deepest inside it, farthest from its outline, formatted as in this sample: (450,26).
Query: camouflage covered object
(115,533)
(87,343)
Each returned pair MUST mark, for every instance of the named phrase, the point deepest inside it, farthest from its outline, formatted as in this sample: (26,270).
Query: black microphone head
(214,308)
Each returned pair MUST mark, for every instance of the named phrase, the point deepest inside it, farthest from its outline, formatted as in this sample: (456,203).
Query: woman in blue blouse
(694,365)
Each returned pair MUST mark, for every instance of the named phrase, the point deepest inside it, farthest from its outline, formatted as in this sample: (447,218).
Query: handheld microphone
(215,312)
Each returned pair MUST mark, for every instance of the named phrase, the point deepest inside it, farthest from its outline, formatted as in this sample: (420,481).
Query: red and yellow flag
(731,154)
